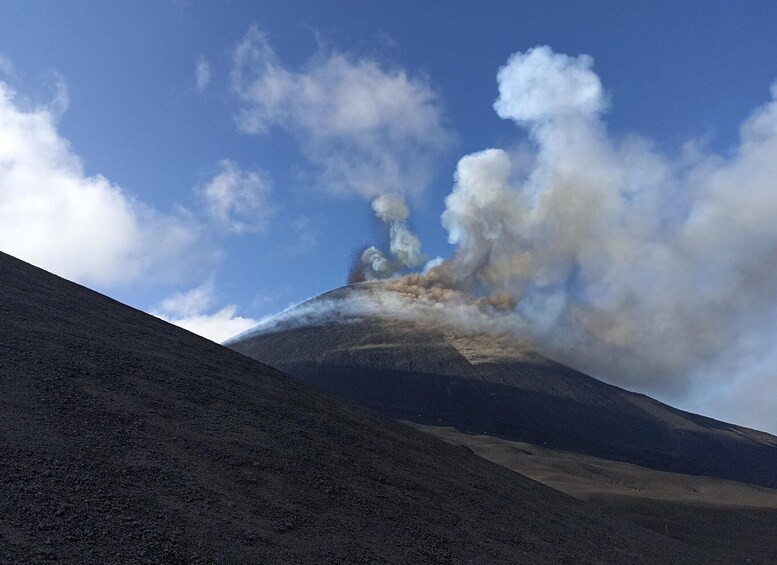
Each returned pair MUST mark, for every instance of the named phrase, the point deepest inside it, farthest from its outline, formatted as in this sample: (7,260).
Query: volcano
(495,394)
(433,373)
(125,439)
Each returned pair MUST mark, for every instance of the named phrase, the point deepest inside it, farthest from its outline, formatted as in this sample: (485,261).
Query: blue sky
(197,197)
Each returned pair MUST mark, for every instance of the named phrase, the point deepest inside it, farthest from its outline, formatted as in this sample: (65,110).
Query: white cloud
(189,303)
(188,310)
(239,200)
(202,73)
(81,227)
(217,327)
(367,128)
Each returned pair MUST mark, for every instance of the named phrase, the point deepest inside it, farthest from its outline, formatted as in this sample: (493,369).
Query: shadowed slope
(432,374)
(127,439)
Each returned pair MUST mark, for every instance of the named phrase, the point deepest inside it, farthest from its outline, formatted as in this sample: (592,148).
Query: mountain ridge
(497,385)
(127,439)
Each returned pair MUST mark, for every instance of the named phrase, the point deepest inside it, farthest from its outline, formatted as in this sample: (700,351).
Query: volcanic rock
(420,369)
(127,439)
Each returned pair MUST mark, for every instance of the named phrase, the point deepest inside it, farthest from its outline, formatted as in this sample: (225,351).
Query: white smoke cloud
(650,270)
(189,310)
(368,129)
(350,309)
(82,227)
(202,73)
(393,299)
(653,271)
(239,200)
(390,208)
(404,245)
(541,85)
(374,265)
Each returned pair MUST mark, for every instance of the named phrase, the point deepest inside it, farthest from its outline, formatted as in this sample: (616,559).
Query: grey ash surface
(421,371)
(126,439)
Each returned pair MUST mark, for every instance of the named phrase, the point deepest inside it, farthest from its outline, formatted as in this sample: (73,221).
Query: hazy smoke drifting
(650,270)
(644,268)
(404,245)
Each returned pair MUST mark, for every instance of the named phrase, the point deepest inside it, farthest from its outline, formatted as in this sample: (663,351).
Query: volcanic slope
(127,439)
(495,395)
(423,371)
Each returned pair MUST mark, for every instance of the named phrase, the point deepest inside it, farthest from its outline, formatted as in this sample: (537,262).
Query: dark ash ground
(126,439)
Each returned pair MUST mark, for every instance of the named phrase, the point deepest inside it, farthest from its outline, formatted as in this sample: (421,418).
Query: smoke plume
(404,245)
(650,270)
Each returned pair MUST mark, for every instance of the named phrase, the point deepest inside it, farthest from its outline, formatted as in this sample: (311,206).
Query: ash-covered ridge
(452,362)
(399,299)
